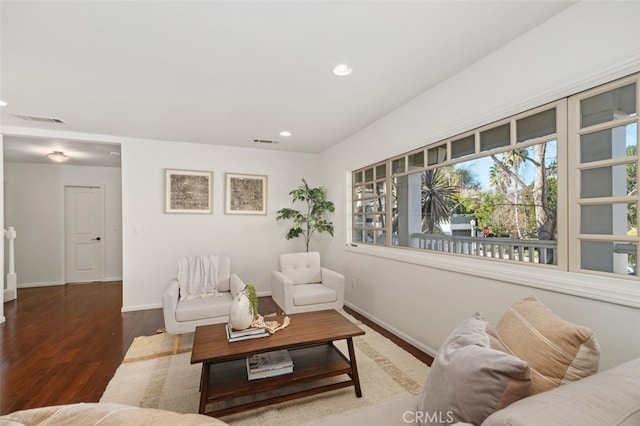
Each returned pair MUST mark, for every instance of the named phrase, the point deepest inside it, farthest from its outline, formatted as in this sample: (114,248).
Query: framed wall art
(188,191)
(245,194)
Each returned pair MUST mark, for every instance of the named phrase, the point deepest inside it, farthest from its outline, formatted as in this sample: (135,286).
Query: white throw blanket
(197,276)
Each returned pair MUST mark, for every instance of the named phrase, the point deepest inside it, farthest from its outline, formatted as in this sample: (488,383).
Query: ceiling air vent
(264,141)
(40,119)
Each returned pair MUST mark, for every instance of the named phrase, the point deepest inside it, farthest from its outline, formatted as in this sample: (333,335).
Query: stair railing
(11,290)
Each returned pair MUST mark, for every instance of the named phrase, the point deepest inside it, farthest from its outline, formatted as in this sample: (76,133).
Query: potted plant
(244,308)
(312,218)
(253,300)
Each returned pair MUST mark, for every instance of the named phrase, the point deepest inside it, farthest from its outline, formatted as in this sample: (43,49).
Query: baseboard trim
(51,284)
(424,348)
(9,294)
(29,285)
(141,307)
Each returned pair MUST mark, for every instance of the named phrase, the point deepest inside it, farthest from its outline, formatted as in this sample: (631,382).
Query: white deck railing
(533,251)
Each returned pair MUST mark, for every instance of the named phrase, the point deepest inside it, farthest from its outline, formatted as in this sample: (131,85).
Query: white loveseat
(184,315)
(303,285)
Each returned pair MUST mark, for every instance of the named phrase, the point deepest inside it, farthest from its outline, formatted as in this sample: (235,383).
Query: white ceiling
(227,73)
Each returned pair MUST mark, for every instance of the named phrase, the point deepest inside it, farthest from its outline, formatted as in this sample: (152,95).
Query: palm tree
(438,198)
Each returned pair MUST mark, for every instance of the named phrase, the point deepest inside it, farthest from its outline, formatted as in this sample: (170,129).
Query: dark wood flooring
(63,344)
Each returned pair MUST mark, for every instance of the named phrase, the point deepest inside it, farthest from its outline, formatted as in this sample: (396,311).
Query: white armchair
(302,285)
(184,315)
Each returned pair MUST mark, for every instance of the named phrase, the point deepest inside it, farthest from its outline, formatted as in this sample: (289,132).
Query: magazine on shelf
(269,364)
(270,373)
(249,333)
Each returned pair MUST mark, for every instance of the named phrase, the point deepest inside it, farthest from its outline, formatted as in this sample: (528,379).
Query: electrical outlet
(353,283)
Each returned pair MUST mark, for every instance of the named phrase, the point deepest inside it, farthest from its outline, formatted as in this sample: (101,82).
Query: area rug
(150,376)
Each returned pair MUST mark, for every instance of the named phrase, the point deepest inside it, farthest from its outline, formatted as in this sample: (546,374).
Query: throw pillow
(472,376)
(556,350)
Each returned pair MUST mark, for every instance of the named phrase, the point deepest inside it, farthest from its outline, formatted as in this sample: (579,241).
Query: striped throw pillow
(556,350)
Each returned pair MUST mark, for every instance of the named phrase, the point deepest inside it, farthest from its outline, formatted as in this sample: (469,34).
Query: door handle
(95,239)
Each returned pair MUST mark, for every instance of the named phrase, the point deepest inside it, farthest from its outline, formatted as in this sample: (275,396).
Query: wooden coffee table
(310,340)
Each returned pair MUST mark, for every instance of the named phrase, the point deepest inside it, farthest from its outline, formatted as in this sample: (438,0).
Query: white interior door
(84,233)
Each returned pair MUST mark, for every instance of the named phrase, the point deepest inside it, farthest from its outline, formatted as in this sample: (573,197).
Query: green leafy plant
(250,291)
(312,219)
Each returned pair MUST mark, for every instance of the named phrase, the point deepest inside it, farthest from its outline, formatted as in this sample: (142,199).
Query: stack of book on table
(269,364)
(249,333)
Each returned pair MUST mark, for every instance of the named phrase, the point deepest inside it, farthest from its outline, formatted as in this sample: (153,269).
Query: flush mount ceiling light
(285,133)
(342,70)
(58,156)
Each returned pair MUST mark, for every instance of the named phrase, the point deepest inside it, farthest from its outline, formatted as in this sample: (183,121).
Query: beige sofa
(104,414)
(610,398)
(534,368)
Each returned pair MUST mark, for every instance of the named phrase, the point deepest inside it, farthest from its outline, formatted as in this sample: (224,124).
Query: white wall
(2,269)
(34,205)
(588,44)
(153,241)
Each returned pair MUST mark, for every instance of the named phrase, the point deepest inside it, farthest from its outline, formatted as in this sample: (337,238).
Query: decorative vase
(240,315)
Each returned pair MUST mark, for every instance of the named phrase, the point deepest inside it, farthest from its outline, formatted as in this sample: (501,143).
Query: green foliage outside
(632,189)
(438,195)
(512,208)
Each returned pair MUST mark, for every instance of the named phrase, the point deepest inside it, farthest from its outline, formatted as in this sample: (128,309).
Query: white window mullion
(564,181)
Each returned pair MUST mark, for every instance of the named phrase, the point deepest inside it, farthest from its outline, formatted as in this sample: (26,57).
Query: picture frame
(245,194)
(188,191)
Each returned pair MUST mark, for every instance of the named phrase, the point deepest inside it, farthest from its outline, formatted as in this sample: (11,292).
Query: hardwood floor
(63,344)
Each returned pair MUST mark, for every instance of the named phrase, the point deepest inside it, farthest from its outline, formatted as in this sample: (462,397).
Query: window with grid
(370,204)
(555,186)
(604,188)
(490,192)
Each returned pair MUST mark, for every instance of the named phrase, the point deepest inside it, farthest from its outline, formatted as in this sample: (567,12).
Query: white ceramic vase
(240,315)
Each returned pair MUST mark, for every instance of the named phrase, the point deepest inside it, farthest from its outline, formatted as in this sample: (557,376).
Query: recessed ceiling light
(285,133)
(2,103)
(58,156)
(342,70)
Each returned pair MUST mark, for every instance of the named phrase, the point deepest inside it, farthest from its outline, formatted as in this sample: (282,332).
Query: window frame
(354,227)
(559,136)
(566,278)
(575,201)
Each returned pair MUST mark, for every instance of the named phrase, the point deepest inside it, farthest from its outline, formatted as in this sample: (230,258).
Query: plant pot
(240,314)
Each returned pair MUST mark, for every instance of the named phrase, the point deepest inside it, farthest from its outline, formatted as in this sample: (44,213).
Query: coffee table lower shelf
(227,380)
